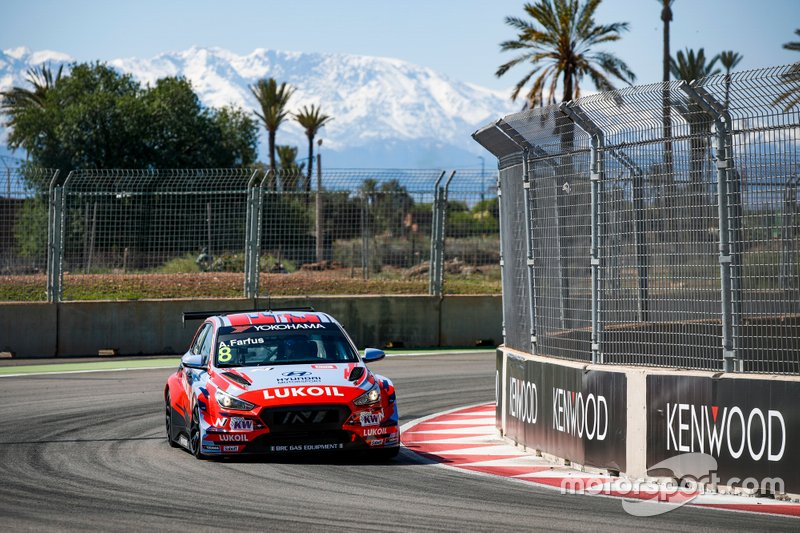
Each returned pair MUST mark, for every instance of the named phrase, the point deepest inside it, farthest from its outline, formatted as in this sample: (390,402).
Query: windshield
(324,344)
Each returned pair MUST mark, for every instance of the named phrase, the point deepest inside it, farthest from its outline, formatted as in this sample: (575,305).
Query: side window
(200,339)
(206,348)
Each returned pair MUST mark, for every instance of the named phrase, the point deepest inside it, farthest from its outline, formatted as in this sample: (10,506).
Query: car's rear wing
(202,315)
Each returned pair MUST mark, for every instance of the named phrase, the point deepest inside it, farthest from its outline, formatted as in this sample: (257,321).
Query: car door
(187,375)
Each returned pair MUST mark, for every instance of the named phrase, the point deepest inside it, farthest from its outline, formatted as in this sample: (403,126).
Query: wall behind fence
(40,329)
(633,236)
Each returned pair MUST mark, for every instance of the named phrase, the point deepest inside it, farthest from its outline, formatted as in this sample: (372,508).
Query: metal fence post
(438,235)
(434,234)
(640,235)
(597,170)
(502,263)
(528,190)
(727,208)
(252,238)
(443,234)
(55,244)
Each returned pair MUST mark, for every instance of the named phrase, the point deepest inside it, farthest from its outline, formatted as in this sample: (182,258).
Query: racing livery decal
(278,382)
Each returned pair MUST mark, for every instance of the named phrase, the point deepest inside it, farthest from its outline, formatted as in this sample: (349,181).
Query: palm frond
(559,37)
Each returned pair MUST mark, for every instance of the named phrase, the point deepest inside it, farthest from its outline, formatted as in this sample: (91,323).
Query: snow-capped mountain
(387,112)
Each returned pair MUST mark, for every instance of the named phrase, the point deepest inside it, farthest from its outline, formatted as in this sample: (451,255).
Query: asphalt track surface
(87,452)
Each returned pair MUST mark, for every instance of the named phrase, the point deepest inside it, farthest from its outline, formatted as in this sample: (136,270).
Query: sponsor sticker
(371,419)
(298,376)
(369,432)
(232,437)
(230,448)
(306,447)
(375,442)
(301,392)
(241,424)
(324,367)
(211,448)
(279,327)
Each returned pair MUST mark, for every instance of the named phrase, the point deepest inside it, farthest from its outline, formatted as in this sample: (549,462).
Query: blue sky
(458,38)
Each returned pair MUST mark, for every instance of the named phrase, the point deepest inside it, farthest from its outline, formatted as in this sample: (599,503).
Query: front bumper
(306,429)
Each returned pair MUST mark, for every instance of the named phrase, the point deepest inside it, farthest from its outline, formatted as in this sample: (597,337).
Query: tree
(790,97)
(273,99)
(692,65)
(18,100)
(559,44)
(290,171)
(96,118)
(237,137)
(666,18)
(311,119)
(729,59)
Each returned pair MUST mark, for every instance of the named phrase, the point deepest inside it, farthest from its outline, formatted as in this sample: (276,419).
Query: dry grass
(230,285)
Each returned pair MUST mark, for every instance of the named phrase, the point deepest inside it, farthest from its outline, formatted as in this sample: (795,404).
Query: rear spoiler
(202,315)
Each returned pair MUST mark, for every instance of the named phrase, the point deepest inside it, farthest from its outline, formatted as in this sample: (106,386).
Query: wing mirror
(193,360)
(373,354)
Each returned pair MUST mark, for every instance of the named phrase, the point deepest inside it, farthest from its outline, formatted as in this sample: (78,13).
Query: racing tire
(168,419)
(385,454)
(195,438)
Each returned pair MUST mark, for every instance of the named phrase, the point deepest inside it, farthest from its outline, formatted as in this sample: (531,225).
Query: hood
(299,384)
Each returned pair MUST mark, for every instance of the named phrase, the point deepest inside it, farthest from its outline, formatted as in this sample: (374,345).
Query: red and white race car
(278,381)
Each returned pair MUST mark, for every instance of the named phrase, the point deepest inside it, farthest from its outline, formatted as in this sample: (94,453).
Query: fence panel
(374,233)
(472,233)
(516,310)
(660,295)
(24,197)
(765,228)
(698,224)
(154,234)
(558,162)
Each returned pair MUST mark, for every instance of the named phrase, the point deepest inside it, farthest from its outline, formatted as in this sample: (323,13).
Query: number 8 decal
(224,354)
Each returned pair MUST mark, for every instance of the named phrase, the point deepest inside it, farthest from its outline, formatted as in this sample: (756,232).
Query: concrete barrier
(28,329)
(746,422)
(144,327)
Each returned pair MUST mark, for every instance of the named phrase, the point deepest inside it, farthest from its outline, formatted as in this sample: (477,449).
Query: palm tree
(17,100)
(311,119)
(691,66)
(666,18)
(729,59)
(559,44)
(290,170)
(273,99)
(791,78)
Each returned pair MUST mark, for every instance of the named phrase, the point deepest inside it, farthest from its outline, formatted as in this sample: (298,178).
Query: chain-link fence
(130,234)
(24,200)
(654,238)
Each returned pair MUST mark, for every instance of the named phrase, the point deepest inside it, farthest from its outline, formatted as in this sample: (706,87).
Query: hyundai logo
(300,373)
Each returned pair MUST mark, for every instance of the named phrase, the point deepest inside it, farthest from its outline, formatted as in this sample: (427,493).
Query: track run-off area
(84,449)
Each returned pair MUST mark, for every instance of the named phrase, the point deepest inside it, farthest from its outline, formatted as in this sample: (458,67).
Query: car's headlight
(226,401)
(373,395)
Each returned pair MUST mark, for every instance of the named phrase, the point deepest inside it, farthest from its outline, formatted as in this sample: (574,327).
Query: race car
(276,382)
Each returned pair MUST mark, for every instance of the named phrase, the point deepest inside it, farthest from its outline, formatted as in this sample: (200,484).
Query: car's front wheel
(168,419)
(195,437)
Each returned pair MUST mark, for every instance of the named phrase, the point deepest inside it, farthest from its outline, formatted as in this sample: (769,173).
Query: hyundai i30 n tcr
(278,382)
